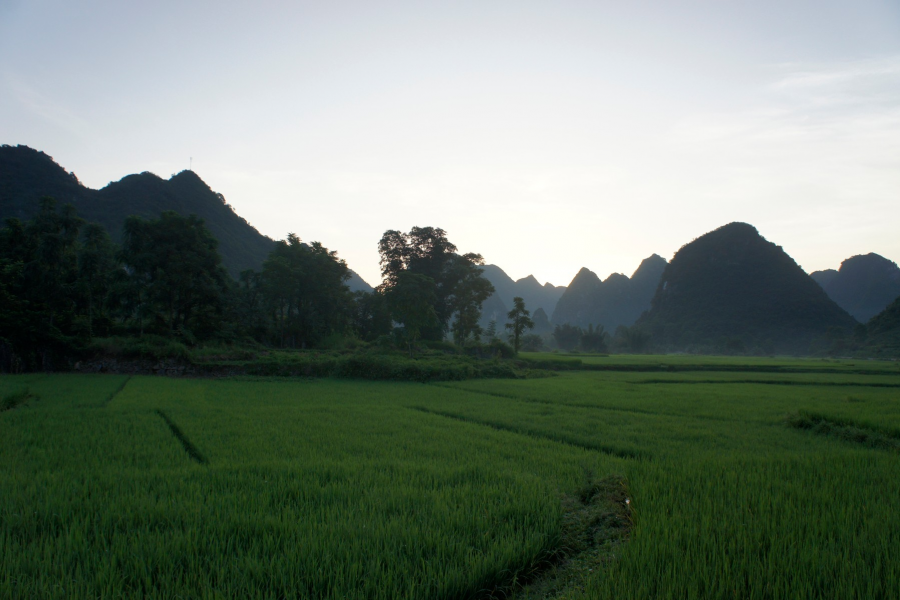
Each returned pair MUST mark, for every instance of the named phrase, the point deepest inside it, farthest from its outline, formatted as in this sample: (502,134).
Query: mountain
(731,289)
(825,277)
(493,309)
(883,331)
(533,293)
(27,174)
(615,301)
(864,286)
(541,322)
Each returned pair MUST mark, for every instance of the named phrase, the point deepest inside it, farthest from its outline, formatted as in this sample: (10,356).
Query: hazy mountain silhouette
(615,301)
(733,288)
(542,323)
(883,331)
(27,174)
(493,309)
(533,293)
(864,285)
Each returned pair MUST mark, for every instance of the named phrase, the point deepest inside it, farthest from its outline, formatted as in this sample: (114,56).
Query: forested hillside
(732,290)
(27,174)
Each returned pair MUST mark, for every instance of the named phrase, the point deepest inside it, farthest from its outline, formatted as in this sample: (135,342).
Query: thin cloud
(46,108)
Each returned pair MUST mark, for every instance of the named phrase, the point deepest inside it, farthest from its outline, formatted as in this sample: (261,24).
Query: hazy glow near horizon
(546,136)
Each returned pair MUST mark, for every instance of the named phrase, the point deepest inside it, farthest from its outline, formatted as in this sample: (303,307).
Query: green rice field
(777,483)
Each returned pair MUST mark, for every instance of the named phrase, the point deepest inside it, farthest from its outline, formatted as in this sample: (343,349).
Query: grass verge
(596,521)
(846,430)
(10,401)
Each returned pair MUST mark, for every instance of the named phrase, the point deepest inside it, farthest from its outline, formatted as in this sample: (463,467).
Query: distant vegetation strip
(189,446)
(736,368)
(560,439)
(383,367)
(770,382)
(847,430)
(13,400)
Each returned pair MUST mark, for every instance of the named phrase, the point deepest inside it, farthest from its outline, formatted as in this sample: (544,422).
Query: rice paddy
(150,487)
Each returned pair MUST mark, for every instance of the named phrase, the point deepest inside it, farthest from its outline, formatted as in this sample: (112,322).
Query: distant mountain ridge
(864,286)
(617,300)
(27,174)
(528,288)
(731,287)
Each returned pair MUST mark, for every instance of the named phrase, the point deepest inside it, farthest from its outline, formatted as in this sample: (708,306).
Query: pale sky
(547,136)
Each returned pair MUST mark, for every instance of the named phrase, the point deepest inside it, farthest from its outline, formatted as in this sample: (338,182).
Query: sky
(546,136)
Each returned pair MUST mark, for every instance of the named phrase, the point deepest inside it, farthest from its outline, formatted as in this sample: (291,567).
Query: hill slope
(864,286)
(27,174)
(733,288)
(615,301)
(883,331)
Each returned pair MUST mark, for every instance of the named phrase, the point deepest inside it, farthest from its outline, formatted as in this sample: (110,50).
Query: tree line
(64,282)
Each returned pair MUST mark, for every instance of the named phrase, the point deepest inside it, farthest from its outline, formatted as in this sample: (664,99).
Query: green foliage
(532,343)
(147,346)
(303,291)
(631,340)
(177,283)
(434,366)
(490,334)
(371,315)
(567,337)
(593,340)
(518,321)
(412,299)
(459,289)
(41,313)
(848,430)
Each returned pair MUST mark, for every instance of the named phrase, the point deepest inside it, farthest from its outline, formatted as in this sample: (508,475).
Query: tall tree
(469,291)
(412,300)
(96,270)
(303,288)
(519,321)
(371,315)
(39,269)
(176,274)
(426,251)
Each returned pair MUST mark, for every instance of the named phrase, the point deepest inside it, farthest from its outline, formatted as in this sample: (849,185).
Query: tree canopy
(459,287)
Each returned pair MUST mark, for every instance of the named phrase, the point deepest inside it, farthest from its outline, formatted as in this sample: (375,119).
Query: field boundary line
(765,382)
(619,453)
(116,392)
(188,446)
(636,411)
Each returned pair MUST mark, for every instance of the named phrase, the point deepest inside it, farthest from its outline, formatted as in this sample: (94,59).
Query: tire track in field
(115,392)
(612,451)
(188,446)
(635,411)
